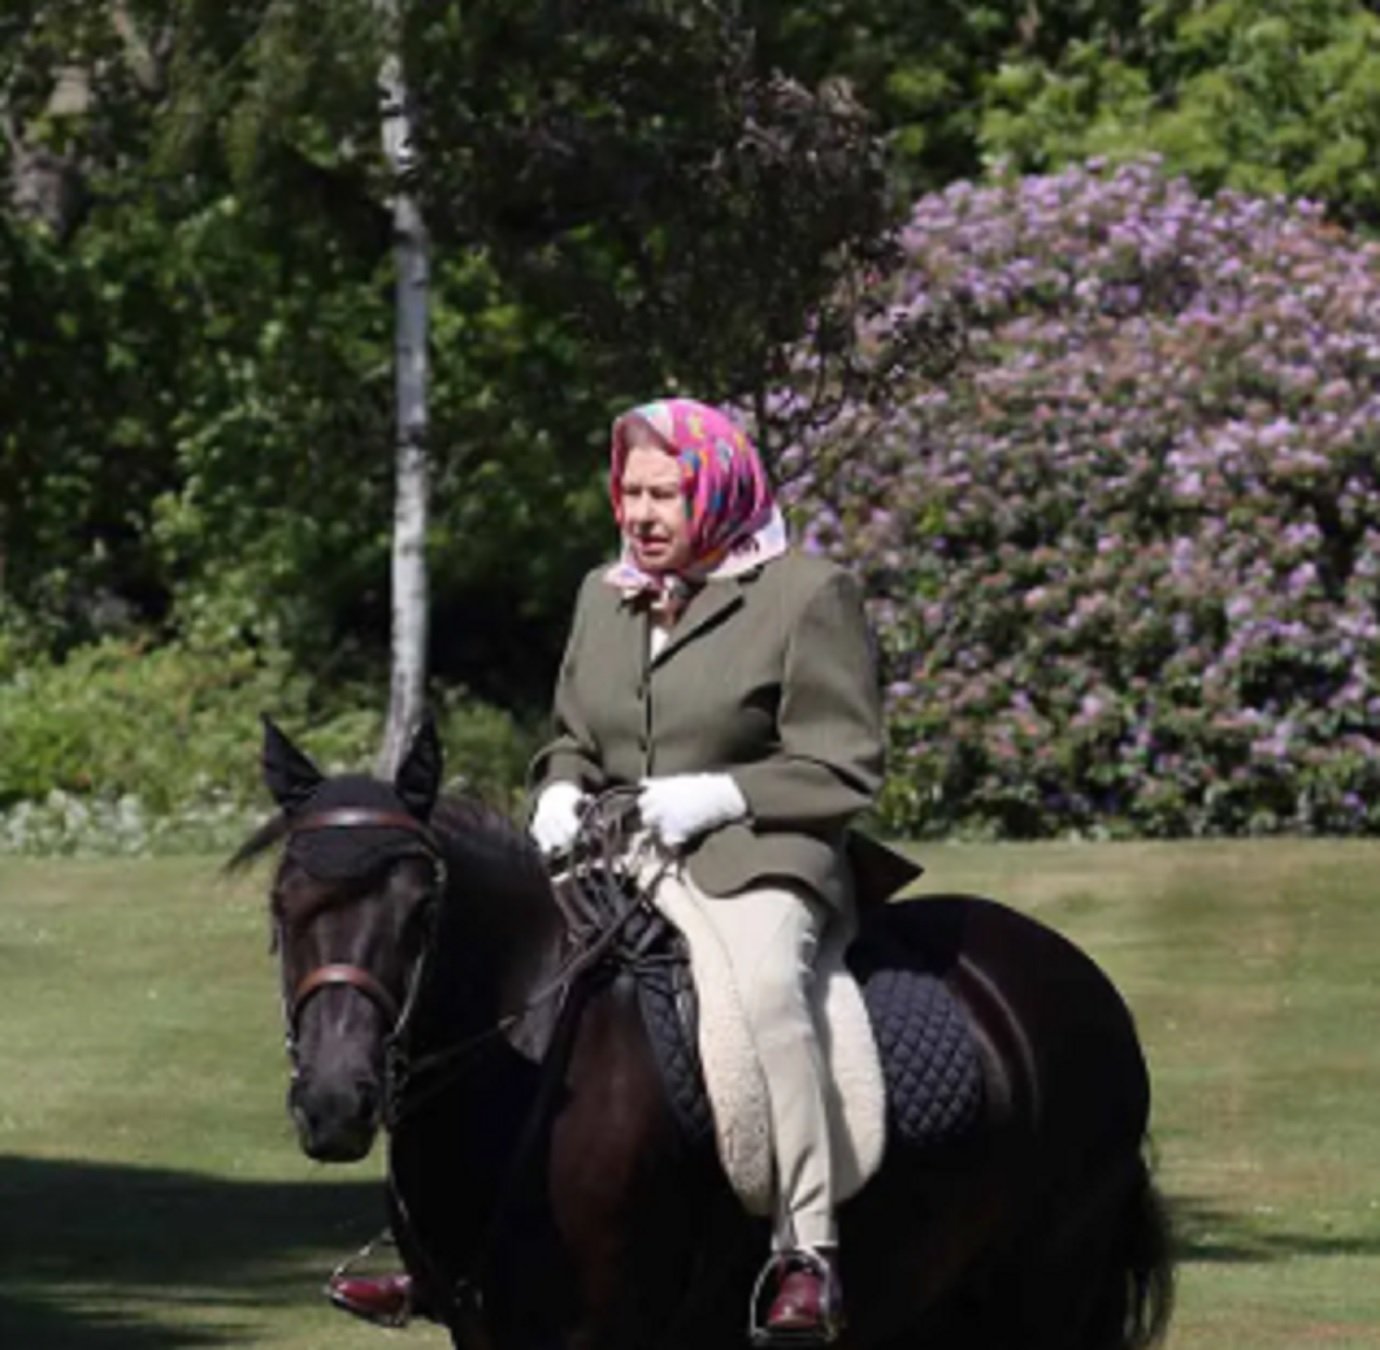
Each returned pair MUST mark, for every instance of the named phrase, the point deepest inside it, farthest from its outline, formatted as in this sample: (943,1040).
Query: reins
(596,913)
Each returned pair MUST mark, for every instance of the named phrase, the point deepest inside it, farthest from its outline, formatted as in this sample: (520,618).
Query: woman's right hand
(556,821)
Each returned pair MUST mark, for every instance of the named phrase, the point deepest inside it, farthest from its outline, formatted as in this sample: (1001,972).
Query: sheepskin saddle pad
(901,1058)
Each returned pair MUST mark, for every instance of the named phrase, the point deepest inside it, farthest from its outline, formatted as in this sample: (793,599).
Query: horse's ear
(419,775)
(288,774)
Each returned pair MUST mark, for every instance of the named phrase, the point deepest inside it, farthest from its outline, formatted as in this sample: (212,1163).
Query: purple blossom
(1132,550)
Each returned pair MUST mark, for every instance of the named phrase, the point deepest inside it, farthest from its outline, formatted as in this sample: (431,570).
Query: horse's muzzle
(336,1123)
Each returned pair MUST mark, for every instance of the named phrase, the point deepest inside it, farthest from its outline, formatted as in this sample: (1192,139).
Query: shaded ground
(102,1255)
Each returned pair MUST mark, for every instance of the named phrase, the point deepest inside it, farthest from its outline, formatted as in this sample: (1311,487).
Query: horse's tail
(1145,1263)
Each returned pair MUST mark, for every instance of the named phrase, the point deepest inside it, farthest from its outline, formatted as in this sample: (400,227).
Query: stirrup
(343,1271)
(778,1266)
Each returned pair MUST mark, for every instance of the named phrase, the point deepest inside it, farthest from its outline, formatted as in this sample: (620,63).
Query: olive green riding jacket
(768,676)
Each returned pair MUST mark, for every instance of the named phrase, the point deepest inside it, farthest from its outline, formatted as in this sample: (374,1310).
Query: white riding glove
(556,820)
(677,808)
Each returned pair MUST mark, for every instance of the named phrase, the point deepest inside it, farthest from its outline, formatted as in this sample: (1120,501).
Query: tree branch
(145,65)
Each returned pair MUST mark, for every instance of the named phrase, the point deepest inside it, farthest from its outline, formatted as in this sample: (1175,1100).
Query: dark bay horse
(540,1190)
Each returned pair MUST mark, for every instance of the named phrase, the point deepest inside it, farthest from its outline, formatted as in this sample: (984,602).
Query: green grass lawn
(152,1195)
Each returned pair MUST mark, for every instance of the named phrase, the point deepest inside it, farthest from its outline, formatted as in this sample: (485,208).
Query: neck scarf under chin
(735,524)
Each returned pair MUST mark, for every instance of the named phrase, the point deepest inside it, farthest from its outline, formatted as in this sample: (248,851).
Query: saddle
(926,1067)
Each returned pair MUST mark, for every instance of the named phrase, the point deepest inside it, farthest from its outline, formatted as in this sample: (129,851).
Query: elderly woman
(733,680)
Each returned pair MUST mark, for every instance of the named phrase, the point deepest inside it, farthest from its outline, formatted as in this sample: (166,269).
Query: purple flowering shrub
(1124,566)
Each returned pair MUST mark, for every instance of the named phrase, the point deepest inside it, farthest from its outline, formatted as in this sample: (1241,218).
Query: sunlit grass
(153,1195)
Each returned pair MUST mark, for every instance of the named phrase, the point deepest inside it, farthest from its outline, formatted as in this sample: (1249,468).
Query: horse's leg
(629,1207)
(1087,1271)
(1098,1277)
(918,1246)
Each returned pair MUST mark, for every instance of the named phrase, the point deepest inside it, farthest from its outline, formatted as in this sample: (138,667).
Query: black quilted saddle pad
(930,1062)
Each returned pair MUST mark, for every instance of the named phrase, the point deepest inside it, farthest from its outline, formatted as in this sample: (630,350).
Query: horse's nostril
(369,1098)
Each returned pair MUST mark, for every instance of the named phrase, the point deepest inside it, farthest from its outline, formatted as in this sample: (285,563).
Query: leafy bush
(165,724)
(65,824)
(487,749)
(1258,95)
(127,747)
(1125,566)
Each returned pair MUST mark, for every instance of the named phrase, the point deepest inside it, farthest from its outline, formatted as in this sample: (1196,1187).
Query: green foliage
(487,750)
(1267,96)
(126,746)
(85,447)
(916,67)
(164,724)
(626,198)
(202,363)
(634,174)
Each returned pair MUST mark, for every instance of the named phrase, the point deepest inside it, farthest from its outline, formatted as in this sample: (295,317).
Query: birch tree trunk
(412,264)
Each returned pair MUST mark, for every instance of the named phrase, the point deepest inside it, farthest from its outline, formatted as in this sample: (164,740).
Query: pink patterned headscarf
(735,524)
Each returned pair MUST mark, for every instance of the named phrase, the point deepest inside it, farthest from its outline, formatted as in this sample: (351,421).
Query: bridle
(595,917)
(396,1013)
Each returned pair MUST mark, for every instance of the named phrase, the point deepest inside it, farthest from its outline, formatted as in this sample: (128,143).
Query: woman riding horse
(751,719)
(539,1181)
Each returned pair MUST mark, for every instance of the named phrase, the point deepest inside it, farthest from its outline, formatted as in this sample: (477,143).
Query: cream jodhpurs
(769,936)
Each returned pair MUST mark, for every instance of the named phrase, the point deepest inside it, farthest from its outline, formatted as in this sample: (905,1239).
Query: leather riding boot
(384,1299)
(808,1307)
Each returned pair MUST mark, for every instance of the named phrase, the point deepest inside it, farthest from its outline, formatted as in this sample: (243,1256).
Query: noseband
(341,972)
(337,973)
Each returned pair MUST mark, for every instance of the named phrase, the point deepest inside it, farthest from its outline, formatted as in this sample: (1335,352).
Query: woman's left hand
(679,807)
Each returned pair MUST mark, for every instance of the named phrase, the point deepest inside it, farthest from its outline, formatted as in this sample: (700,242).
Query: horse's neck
(498,943)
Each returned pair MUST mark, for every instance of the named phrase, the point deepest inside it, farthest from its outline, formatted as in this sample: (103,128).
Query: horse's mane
(486,847)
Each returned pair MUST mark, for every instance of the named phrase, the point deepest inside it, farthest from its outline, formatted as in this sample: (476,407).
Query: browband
(355,817)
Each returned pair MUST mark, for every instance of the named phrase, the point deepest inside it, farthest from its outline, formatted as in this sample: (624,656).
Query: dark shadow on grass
(1206,1232)
(79,1241)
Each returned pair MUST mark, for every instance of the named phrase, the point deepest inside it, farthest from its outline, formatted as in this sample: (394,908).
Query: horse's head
(352,901)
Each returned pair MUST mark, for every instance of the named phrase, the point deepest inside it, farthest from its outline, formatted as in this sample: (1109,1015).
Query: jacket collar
(713,600)
(706,607)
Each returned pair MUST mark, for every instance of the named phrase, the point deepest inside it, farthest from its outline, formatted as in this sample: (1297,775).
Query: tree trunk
(407,684)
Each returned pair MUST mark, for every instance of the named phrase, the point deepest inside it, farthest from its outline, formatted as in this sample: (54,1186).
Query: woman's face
(654,519)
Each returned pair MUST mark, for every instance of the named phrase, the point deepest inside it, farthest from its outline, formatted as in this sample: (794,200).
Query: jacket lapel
(632,640)
(706,606)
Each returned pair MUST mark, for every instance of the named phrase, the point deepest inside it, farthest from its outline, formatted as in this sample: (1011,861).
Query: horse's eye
(418,876)
(422,916)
